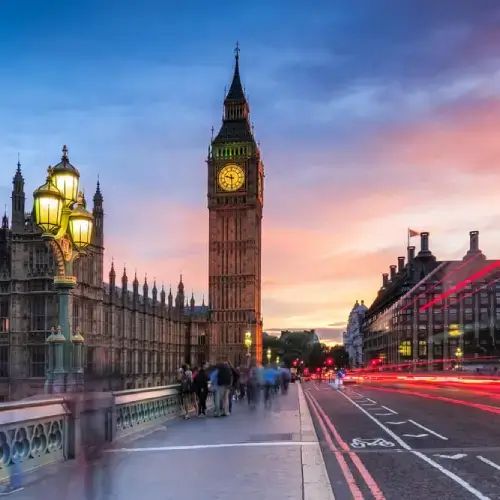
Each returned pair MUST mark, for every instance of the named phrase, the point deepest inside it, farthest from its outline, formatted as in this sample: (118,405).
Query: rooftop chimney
(385,280)
(401,264)
(411,255)
(424,245)
(474,241)
(474,250)
(393,272)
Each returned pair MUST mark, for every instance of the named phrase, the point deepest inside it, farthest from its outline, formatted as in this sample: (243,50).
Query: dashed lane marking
(488,462)
(430,431)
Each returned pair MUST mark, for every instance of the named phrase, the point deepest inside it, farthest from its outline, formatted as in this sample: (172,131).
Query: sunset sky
(373,116)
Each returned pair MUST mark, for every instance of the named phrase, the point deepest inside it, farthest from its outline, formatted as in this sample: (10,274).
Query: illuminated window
(405,348)
(422,348)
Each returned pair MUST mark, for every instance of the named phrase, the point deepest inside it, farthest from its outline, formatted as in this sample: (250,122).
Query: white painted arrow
(415,435)
(457,456)
(397,423)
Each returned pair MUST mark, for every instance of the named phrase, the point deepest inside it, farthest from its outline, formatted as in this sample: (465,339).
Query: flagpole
(408,236)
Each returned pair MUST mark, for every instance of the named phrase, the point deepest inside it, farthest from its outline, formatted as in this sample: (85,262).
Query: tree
(340,356)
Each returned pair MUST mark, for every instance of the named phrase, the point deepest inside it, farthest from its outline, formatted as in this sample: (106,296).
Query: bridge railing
(47,429)
(33,433)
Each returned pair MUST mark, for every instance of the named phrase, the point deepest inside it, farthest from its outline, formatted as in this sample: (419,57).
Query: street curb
(316,484)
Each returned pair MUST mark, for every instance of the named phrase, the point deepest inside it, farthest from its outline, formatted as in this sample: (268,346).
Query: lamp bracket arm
(61,261)
(63,230)
(64,261)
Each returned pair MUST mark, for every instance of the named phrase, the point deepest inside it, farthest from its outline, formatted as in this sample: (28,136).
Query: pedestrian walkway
(265,454)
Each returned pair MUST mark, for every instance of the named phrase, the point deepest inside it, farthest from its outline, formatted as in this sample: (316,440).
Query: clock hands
(231,179)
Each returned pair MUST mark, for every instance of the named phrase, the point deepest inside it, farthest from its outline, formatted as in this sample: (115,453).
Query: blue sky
(133,89)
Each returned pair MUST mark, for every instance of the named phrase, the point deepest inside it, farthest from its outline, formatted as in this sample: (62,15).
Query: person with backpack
(186,381)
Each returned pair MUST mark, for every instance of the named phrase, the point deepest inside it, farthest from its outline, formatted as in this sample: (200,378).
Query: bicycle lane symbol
(377,442)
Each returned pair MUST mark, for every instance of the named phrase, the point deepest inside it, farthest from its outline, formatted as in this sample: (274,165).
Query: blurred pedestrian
(15,476)
(200,386)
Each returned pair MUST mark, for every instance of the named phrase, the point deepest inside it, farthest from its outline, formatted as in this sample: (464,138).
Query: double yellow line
(340,449)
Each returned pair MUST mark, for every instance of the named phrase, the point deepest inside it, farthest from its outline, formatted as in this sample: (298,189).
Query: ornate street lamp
(248,342)
(59,211)
(269,354)
(277,360)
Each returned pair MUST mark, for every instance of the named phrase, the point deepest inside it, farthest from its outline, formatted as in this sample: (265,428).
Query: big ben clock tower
(235,201)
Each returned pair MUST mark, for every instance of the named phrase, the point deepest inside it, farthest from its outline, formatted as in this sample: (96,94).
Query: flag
(412,233)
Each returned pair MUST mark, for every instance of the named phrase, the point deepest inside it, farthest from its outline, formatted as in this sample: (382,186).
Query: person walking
(224,383)
(15,477)
(233,390)
(253,385)
(185,379)
(200,386)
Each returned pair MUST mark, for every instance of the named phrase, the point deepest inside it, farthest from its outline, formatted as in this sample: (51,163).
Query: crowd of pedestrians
(227,384)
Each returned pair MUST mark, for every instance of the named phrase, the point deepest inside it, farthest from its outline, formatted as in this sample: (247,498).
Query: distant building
(431,313)
(132,340)
(353,336)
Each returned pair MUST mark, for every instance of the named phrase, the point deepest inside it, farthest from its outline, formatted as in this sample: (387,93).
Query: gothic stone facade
(132,340)
(235,228)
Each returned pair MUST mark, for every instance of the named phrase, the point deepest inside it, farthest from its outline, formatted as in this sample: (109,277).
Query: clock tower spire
(235,204)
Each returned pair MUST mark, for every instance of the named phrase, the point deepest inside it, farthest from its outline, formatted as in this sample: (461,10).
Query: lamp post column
(49,370)
(78,341)
(59,373)
(64,284)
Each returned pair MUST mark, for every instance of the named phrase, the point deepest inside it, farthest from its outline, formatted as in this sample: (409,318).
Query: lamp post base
(65,373)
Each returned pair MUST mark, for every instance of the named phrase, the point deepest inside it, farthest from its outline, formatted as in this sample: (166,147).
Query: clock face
(231,178)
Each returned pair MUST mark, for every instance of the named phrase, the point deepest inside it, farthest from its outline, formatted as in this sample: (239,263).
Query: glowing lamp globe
(48,206)
(67,183)
(81,225)
(65,176)
(248,340)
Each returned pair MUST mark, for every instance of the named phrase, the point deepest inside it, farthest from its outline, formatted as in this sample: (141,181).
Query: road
(403,441)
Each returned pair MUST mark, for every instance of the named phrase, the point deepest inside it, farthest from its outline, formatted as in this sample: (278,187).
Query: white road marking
(363,443)
(464,484)
(384,414)
(367,404)
(457,456)
(371,400)
(397,423)
(415,435)
(430,431)
(212,446)
(489,462)
(389,410)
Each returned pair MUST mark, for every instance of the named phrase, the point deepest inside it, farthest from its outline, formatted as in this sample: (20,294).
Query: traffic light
(295,363)
(329,361)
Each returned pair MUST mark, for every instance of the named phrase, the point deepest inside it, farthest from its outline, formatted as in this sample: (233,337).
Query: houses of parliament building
(135,336)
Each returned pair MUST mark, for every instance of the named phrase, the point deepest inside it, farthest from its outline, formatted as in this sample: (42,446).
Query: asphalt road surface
(407,442)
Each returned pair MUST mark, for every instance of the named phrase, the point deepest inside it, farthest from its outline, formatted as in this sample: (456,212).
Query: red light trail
(461,285)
